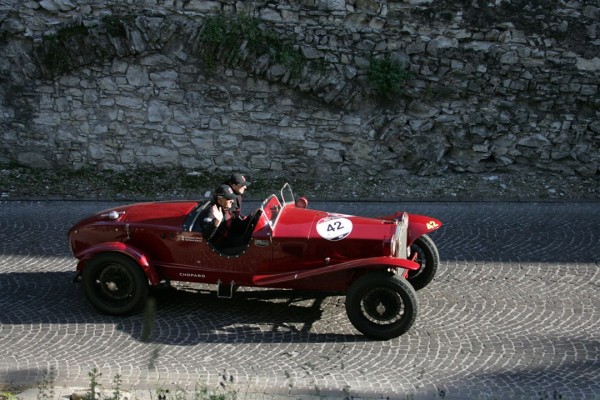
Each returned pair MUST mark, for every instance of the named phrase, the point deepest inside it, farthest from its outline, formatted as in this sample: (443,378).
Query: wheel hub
(115,282)
(382,306)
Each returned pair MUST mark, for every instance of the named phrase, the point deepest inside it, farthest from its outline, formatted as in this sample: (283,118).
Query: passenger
(238,184)
(216,219)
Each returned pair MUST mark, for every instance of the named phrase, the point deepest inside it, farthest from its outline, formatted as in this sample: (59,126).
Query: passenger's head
(238,183)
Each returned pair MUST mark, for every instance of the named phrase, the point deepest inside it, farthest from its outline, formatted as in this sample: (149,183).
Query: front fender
(363,263)
(418,225)
(119,247)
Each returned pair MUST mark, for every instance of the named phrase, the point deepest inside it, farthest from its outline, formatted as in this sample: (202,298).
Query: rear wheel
(427,256)
(115,284)
(381,305)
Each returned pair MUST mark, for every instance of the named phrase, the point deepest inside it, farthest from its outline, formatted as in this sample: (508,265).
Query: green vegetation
(7,395)
(168,183)
(228,31)
(68,48)
(46,391)
(116,25)
(226,37)
(235,40)
(55,49)
(387,75)
(94,375)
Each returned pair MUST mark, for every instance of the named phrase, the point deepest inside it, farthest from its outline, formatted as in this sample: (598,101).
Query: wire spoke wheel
(425,253)
(381,305)
(115,284)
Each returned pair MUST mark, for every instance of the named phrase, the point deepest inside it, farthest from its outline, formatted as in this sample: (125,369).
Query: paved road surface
(515,312)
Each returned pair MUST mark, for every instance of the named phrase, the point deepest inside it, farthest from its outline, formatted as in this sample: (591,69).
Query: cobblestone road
(514,313)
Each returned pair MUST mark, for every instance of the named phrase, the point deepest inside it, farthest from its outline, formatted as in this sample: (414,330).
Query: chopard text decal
(190,275)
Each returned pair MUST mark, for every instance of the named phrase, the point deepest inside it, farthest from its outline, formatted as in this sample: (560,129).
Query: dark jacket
(215,234)
(236,209)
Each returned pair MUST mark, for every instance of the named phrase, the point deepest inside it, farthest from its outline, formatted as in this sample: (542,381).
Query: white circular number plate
(334,228)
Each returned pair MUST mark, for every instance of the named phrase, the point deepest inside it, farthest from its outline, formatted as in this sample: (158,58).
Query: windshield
(287,196)
(271,207)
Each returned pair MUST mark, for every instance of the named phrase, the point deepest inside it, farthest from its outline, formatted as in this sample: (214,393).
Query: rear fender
(122,248)
(418,225)
(363,263)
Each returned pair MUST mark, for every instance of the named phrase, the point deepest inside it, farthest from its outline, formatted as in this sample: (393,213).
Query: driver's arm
(211,221)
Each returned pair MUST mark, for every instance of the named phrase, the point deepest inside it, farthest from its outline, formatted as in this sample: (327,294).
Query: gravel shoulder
(19,183)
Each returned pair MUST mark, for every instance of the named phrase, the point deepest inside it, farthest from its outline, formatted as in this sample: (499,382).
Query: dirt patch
(26,183)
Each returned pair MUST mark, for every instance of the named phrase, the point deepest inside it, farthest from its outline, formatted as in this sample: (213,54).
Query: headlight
(113,215)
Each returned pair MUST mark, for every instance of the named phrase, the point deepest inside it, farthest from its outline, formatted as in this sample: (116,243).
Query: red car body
(287,246)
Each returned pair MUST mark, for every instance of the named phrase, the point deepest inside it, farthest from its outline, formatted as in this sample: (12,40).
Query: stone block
(260,162)
(165,79)
(129,102)
(253,146)
(331,155)
(589,90)
(159,112)
(137,75)
(46,119)
(592,12)
(535,141)
(203,145)
(441,43)
(34,160)
(590,65)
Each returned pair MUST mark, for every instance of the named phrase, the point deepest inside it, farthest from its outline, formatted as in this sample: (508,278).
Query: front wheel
(115,284)
(425,254)
(381,305)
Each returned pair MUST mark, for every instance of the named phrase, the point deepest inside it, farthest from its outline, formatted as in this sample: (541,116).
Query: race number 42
(334,228)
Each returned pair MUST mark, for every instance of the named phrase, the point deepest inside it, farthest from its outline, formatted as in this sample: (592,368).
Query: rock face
(112,84)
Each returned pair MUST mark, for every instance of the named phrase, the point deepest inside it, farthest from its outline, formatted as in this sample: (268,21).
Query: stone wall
(494,85)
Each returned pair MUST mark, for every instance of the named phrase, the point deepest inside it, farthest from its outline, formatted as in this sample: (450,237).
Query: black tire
(115,284)
(429,259)
(381,305)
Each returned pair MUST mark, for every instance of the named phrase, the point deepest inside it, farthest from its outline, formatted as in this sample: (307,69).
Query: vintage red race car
(377,262)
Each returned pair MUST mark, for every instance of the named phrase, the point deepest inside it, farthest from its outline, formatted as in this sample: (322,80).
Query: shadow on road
(181,317)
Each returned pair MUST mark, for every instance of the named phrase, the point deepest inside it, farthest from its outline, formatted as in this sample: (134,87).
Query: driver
(216,219)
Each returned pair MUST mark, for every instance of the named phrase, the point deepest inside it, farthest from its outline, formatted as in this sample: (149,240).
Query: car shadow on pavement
(254,316)
(178,317)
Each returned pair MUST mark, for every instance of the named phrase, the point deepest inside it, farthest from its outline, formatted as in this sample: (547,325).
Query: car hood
(162,213)
(332,227)
(318,236)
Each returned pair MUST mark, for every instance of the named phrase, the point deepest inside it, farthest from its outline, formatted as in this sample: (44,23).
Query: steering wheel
(252,220)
